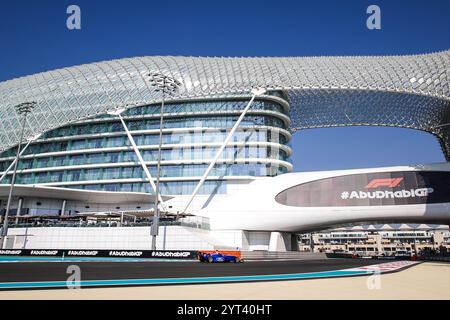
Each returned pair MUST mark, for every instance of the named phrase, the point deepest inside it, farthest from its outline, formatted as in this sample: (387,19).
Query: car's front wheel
(210,259)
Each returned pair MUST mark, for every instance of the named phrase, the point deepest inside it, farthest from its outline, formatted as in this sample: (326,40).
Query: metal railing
(198,225)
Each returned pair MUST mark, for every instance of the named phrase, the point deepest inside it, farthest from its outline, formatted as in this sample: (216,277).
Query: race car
(217,257)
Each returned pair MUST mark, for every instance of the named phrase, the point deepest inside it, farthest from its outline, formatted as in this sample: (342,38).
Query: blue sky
(34,38)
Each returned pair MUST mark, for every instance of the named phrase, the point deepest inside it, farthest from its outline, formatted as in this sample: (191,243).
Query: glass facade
(95,154)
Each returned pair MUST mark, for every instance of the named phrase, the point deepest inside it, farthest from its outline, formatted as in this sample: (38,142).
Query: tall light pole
(22,109)
(165,85)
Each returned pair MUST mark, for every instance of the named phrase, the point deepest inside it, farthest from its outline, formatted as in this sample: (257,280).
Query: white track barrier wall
(138,238)
(120,238)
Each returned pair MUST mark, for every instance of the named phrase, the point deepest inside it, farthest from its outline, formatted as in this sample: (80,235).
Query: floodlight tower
(23,110)
(167,86)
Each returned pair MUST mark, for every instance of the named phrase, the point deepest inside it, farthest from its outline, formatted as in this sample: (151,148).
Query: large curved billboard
(370,189)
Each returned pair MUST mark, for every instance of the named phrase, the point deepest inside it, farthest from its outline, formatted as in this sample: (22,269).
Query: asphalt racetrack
(50,273)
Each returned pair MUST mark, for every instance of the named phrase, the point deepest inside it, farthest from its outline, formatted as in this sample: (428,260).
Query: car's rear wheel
(210,259)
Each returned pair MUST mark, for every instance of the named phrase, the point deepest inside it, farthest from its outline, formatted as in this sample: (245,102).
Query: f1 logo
(391,183)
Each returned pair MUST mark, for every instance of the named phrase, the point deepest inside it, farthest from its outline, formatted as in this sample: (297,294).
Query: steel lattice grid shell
(403,91)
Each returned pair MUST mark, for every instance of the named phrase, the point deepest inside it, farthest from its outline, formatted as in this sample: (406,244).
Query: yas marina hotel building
(207,142)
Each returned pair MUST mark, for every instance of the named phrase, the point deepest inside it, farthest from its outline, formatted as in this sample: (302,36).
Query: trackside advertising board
(371,189)
(156,254)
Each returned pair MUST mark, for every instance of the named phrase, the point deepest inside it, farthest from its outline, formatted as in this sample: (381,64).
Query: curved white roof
(92,196)
(407,91)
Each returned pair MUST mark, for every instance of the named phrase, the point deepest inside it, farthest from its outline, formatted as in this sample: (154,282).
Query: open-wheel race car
(218,257)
